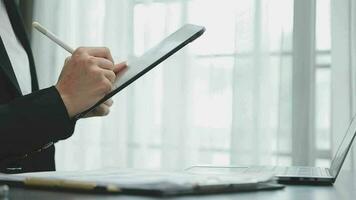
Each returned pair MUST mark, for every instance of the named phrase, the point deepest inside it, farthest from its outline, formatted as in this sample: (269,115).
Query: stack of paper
(144,182)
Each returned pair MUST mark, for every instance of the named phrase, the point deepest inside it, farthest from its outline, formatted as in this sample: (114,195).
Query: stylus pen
(51,36)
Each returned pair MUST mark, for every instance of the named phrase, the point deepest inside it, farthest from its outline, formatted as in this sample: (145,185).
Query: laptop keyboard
(290,171)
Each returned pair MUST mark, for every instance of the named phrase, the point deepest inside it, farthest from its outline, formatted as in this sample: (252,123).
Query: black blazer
(30,123)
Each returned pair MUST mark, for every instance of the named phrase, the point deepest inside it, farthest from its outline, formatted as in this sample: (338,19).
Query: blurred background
(270,81)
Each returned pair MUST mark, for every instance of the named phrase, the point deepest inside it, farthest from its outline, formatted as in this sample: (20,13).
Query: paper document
(134,176)
(147,182)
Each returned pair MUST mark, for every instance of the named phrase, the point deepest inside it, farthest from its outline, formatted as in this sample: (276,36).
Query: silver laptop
(298,174)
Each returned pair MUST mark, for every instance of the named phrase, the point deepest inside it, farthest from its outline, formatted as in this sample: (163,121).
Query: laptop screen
(343,149)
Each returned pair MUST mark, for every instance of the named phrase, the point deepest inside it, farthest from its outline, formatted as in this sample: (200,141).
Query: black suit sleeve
(31,121)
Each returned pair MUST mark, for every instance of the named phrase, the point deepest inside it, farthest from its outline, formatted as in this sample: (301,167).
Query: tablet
(141,65)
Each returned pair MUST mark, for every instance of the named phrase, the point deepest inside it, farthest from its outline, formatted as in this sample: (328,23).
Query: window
(240,35)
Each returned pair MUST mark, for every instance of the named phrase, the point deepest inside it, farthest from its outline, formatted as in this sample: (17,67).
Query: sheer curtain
(96,142)
(343,70)
(224,100)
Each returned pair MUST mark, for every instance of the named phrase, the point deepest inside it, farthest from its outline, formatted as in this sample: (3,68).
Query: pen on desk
(51,36)
(70,184)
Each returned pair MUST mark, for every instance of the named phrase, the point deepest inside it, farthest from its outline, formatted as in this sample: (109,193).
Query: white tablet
(141,65)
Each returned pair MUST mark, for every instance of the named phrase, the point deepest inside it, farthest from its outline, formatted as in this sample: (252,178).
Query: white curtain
(224,100)
(343,70)
(96,142)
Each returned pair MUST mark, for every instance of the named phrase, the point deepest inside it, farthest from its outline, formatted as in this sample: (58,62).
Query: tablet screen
(140,65)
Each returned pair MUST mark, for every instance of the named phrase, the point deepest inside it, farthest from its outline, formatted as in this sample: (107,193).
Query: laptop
(297,174)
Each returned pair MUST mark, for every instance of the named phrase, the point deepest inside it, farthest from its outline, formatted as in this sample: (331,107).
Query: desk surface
(344,188)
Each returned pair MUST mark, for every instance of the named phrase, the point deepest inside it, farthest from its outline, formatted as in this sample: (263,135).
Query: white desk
(343,189)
